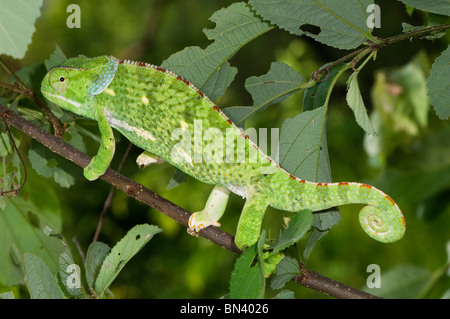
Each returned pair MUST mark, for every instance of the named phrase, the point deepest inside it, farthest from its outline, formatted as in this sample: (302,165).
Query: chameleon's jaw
(52,96)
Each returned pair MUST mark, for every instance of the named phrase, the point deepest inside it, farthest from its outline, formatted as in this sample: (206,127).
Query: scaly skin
(170,119)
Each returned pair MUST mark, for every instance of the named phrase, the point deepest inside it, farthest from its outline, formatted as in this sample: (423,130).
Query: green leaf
(247,279)
(304,153)
(236,25)
(219,81)
(7,295)
(95,256)
(20,221)
(439,84)
(285,294)
(124,250)
(10,164)
(279,83)
(436,6)
(40,281)
(238,114)
(44,163)
(313,240)
(17,25)
(342,23)
(56,58)
(299,225)
(69,272)
(177,178)
(317,95)
(286,270)
(70,275)
(315,98)
(301,150)
(356,103)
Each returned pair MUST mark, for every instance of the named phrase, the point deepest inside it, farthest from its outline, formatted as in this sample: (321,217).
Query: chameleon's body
(156,110)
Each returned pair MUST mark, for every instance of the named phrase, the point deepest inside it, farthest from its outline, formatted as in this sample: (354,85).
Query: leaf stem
(414,34)
(24,90)
(372,46)
(11,72)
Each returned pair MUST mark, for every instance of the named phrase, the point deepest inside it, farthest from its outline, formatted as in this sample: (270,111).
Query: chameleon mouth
(59,97)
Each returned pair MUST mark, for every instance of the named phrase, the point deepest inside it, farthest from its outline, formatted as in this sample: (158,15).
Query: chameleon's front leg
(100,162)
(210,215)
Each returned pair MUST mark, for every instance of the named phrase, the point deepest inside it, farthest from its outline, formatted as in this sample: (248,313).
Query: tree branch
(316,281)
(21,88)
(309,279)
(369,46)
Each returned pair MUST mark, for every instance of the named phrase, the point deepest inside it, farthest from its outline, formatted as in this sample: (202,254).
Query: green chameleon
(171,119)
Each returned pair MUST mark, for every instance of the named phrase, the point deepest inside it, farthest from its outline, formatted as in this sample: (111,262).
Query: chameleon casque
(153,108)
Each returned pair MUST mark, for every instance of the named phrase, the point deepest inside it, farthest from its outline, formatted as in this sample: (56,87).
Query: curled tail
(381,219)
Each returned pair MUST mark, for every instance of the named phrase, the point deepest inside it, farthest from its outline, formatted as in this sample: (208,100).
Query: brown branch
(21,88)
(133,189)
(318,282)
(370,46)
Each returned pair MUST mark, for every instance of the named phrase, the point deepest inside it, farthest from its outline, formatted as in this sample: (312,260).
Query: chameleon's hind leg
(147,158)
(249,226)
(210,215)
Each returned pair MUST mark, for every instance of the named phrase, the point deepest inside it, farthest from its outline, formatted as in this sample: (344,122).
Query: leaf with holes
(340,23)
(124,250)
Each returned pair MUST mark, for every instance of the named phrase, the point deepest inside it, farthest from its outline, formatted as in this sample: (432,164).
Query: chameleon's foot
(210,215)
(200,220)
(93,170)
(146,159)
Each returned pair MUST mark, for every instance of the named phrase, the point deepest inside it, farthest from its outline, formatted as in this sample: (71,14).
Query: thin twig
(318,282)
(370,47)
(23,89)
(80,250)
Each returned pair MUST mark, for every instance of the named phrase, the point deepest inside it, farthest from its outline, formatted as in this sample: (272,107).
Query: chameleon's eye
(59,79)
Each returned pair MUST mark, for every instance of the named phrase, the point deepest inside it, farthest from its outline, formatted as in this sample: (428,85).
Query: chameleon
(170,120)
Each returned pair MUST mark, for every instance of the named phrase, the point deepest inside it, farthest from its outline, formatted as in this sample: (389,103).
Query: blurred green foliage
(409,161)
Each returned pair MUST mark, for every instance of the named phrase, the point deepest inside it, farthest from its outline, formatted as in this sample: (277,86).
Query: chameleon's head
(75,82)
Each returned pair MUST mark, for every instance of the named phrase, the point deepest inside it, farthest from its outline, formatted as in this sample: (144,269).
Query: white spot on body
(110,92)
(145,100)
(124,125)
(184,125)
